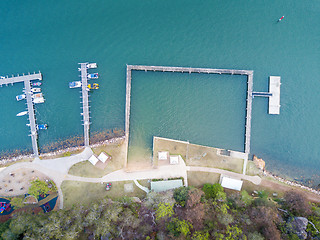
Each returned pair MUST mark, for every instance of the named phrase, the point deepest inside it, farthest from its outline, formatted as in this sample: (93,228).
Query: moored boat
(92,65)
(22,113)
(36,84)
(37,95)
(35,90)
(93,86)
(75,84)
(93,75)
(38,100)
(20,97)
(42,126)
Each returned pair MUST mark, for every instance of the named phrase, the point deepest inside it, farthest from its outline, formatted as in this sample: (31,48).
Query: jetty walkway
(26,79)
(85,103)
(248,73)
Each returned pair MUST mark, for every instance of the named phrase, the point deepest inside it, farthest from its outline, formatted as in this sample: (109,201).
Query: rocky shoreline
(260,164)
(61,151)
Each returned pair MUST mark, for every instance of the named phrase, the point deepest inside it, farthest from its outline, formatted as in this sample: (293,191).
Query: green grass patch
(198,179)
(84,193)
(86,169)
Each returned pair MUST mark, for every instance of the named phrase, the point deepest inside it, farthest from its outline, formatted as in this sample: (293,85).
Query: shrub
(38,188)
(297,203)
(176,227)
(246,198)
(181,195)
(214,191)
(164,210)
(17,202)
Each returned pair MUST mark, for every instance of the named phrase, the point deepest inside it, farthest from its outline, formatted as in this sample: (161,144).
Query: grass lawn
(252,170)
(197,155)
(86,169)
(198,179)
(85,193)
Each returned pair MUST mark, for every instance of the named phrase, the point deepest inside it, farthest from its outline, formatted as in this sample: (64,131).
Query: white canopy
(163,155)
(93,159)
(231,183)
(174,159)
(103,157)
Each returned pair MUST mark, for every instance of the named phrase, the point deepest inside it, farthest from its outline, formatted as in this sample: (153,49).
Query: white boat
(20,97)
(75,84)
(38,100)
(92,65)
(22,113)
(37,95)
(35,90)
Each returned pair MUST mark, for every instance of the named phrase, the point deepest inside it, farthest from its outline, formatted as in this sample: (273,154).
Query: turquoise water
(54,36)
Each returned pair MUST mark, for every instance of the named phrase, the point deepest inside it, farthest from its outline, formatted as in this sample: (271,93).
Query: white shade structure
(93,159)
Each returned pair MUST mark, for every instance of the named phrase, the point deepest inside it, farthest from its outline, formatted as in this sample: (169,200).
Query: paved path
(57,169)
(141,187)
(254,179)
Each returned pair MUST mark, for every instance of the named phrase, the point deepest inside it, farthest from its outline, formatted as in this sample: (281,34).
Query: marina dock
(274,100)
(32,120)
(85,103)
(27,88)
(190,70)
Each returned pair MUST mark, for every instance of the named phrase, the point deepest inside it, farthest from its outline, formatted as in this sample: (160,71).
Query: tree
(17,202)
(234,232)
(176,227)
(297,203)
(181,195)
(214,191)
(38,188)
(200,236)
(164,210)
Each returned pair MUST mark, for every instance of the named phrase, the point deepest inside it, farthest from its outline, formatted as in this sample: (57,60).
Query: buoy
(280,18)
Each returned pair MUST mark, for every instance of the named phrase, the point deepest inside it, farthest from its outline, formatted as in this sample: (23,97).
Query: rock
(259,162)
(299,226)
(136,199)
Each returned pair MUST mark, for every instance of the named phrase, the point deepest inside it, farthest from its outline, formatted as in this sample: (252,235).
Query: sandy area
(18,182)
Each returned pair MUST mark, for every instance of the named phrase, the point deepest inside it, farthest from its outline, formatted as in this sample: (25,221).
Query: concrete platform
(274,100)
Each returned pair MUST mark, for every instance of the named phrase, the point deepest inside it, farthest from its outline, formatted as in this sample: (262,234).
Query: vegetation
(185,213)
(17,202)
(38,188)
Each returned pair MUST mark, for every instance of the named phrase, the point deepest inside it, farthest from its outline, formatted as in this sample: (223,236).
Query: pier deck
(32,120)
(27,86)
(11,80)
(274,100)
(85,103)
(248,73)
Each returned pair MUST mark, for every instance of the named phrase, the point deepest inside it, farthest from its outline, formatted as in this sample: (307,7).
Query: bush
(181,195)
(246,198)
(214,191)
(297,203)
(176,227)
(38,188)
(17,202)
(164,210)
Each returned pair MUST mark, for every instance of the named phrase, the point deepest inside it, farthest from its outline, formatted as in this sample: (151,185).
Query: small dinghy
(21,97)
(22,113)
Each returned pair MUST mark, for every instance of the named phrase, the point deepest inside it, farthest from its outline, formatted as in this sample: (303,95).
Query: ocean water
(54,36)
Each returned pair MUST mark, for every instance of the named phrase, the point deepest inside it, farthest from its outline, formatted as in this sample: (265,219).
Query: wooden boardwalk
(248,73)
(27,89)
(85,103)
